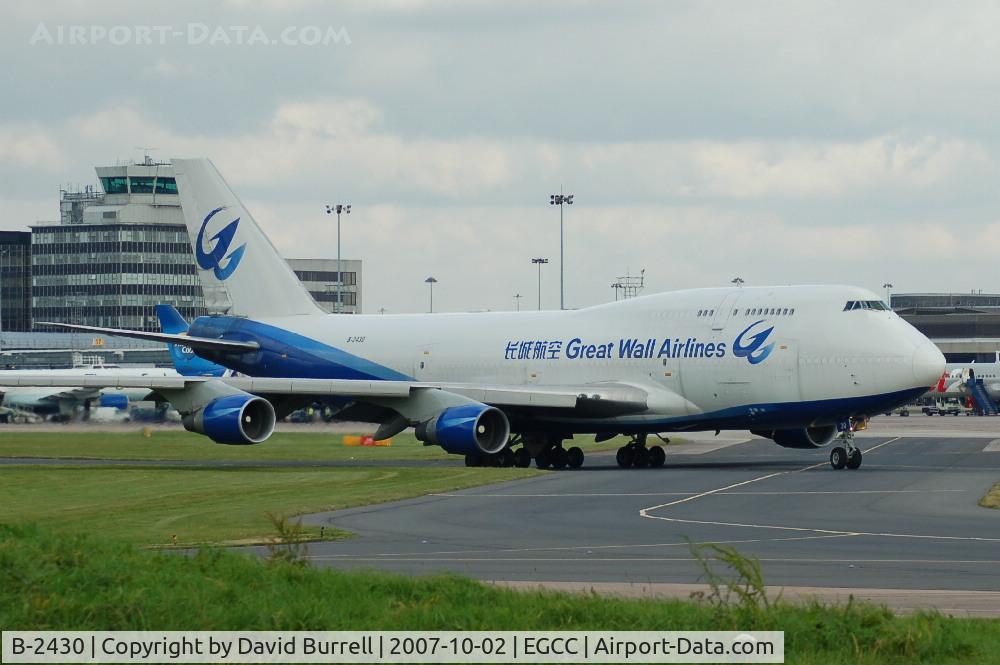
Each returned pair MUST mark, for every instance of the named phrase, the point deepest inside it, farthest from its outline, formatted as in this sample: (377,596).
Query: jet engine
(117,400)
(801,437)
(234,420)
(475,429)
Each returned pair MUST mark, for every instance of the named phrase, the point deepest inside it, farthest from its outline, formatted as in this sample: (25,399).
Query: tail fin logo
(219,254)
(753,349)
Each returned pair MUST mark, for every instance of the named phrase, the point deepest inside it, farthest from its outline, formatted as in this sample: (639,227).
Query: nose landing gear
(849,455)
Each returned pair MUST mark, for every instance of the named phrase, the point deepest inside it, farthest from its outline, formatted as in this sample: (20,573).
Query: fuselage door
(422,370)
(724,312)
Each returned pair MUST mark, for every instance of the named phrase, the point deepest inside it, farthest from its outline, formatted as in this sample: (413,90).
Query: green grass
(157,505)
(171,444)
(992,498)
(50,581)
(151,505)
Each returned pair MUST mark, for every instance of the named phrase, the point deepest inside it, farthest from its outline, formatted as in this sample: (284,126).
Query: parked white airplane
(954,379)
(67,400)
(796,364)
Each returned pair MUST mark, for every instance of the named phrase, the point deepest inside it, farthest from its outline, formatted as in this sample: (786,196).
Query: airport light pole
(560,200)
(430,281)
(738,281)
(888,294)
(346,209)
(517,302)
(539,262)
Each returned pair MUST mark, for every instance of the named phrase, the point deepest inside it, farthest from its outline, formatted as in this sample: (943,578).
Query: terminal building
(321,278)
(965,326)
(114,254)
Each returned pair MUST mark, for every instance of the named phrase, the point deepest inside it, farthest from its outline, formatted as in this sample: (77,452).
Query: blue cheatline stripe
(287,354)
(751,416)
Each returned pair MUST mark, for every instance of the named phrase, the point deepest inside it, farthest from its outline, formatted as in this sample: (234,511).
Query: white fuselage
(693,351)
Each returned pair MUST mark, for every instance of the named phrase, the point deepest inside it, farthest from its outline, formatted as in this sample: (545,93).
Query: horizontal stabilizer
(166,338)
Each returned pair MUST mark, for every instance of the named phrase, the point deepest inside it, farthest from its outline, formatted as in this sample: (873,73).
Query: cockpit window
(866,304)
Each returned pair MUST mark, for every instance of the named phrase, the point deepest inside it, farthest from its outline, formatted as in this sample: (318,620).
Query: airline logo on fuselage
(219,259)
(753,348)
(746,345)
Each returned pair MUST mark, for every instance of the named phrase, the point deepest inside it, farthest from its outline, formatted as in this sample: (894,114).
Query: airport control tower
(116,253)
(119,250)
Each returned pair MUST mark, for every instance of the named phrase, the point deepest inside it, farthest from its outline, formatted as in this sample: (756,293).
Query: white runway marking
(646,512)
(992,447)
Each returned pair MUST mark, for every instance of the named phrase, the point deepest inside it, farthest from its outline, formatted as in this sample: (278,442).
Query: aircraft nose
(928,364)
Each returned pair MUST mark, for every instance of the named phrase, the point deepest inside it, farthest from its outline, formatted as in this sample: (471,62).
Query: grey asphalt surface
(908,519)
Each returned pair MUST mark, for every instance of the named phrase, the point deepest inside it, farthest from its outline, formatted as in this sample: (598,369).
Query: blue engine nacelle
(801,437)
(470,429)
(235,420)
(116,400)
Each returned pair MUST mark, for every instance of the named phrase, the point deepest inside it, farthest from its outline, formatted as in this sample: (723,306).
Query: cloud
(29,146)
(472,210)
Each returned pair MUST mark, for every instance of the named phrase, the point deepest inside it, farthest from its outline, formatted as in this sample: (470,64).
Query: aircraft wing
(597,399)
(167,338)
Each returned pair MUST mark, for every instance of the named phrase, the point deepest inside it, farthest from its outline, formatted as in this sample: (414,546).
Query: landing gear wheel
(838,458)
(640,458)
(506,457)
(472,460)
(657,456)
(624,457)
(854,459)
(543,460)
(522,458)
(574,457)
(559,458)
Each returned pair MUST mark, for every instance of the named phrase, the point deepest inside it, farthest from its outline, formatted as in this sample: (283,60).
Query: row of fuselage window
(754,311)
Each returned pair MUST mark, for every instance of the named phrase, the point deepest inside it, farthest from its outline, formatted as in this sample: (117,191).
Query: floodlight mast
(346,209)
(430,281)
(539,262)
(560,200)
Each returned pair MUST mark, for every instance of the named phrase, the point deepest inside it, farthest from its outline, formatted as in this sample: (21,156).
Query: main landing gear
(635,454)
(547,451)
(556,457)
(848,455)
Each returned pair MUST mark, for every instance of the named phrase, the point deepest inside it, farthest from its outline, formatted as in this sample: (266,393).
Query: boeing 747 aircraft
(796,364)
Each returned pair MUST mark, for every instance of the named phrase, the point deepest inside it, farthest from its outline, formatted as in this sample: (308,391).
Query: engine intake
(474,429)
(802,437)
(234,420)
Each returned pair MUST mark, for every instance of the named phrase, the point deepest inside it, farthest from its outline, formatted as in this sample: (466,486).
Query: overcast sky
(783,142)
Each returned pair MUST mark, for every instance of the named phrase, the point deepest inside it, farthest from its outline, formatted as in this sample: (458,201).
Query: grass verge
(170,444)
(50,581)
(152,505)
(992,498)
